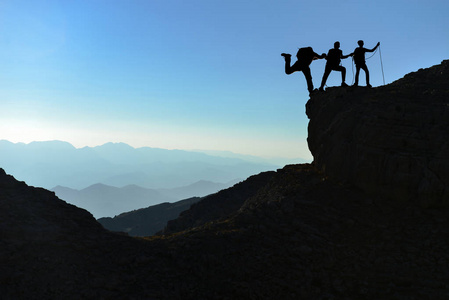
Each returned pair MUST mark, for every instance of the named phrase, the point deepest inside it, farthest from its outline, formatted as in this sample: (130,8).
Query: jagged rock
(391,141)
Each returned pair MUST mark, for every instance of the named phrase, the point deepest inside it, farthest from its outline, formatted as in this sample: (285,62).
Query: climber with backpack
(333,58)
(305,57)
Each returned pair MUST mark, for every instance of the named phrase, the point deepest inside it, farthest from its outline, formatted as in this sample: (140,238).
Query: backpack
(305,54)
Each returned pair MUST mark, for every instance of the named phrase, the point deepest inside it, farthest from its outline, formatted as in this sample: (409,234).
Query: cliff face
(391,141)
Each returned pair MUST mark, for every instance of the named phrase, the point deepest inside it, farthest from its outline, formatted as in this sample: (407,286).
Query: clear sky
(198,74)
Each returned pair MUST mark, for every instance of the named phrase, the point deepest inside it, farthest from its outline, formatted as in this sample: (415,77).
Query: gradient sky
(198,74)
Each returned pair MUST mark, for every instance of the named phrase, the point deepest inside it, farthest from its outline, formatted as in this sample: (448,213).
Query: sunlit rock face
(392,141)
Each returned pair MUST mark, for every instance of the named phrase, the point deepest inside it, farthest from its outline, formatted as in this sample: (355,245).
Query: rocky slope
(300,237)
(168,218)
(147,221)
(302,234)
(218,206)
(391,140)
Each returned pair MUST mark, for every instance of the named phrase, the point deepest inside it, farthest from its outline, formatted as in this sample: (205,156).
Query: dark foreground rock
(300,237)
(218,206)
(392,140)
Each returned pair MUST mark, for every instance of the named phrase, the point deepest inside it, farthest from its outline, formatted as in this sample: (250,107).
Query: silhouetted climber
(305,57)
(359,60)
(333,58)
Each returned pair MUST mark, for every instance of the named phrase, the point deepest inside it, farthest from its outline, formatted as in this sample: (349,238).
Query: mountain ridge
(48,164)
(104,200)
(149,220)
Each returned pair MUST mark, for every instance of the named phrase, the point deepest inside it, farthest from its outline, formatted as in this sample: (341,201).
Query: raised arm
(372,50)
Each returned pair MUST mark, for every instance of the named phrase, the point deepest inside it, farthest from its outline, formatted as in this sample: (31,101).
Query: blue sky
(193,74)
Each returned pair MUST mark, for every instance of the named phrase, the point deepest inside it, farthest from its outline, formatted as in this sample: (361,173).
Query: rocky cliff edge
(391,141)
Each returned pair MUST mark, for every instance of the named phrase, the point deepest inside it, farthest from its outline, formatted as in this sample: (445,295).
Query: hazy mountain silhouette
(53,163)
(104,201)
(150,220)
(281,161)
(107,201)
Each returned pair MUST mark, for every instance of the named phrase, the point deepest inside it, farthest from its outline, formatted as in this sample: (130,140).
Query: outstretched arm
(372,50)
(317,56)
(346,56)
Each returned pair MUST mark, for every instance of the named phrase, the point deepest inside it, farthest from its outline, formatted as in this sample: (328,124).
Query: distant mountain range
(114,178)
(107,201)
(56,163)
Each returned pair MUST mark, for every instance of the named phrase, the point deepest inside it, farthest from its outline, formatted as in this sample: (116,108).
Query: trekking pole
(381,65)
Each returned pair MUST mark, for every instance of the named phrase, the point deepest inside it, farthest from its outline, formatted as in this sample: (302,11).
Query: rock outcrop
(392,141)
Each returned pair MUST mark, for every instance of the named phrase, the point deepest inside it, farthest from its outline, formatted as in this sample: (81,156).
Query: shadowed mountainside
(147,221)
(219,205)
(302,234)
(174,217)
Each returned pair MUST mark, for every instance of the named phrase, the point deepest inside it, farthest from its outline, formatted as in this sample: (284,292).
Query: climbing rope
(375,51)
(381,65)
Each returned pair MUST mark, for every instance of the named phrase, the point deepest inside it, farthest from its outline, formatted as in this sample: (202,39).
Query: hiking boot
(344,84)
(286,55)
(321,89)
(368,85)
